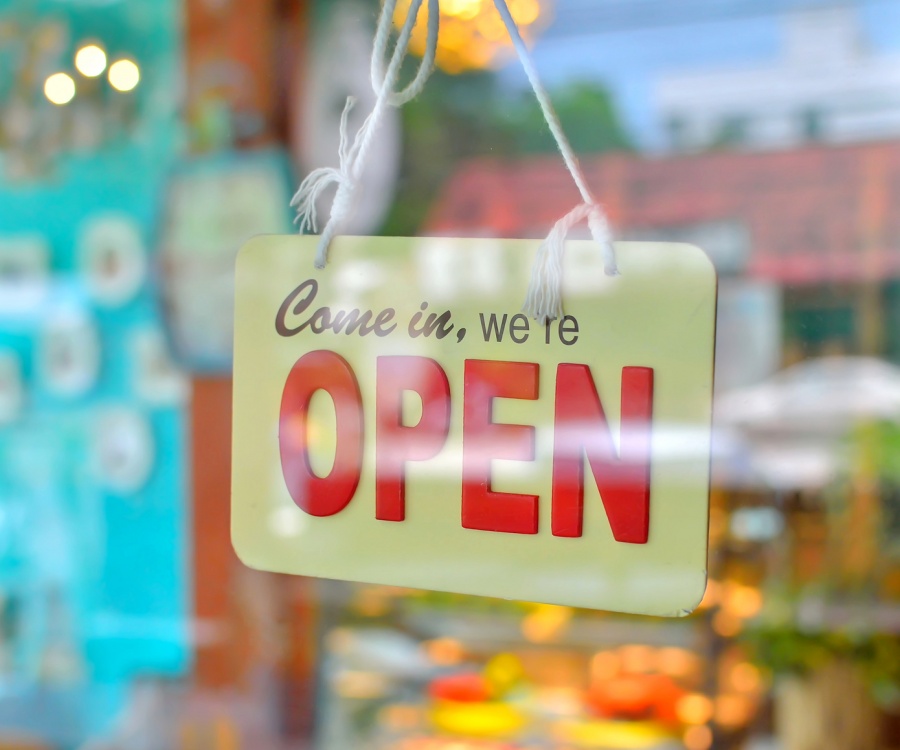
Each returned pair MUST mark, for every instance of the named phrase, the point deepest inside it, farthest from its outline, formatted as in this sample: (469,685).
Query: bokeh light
(124,75)
(743,601)
(745,677)
(472,33)
(444,652)
(546,623)
(90,60)
(694,709)
(59,88)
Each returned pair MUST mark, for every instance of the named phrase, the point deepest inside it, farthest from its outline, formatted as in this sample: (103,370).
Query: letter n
(581,428)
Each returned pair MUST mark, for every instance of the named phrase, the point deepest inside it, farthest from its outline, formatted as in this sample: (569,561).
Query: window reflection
(142,141)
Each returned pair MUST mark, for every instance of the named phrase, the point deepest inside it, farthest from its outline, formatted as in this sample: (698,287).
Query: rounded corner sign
(397,420)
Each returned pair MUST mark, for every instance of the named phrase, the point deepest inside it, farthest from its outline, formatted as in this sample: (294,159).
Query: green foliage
(588,117)
(789,650)
(466,116)
(447,124)
(781,645)
(877,444)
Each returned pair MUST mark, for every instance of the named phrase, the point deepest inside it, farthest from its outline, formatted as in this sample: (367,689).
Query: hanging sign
(397,420)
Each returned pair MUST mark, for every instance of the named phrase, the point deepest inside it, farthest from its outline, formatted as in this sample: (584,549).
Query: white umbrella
(792,424)
(830,394)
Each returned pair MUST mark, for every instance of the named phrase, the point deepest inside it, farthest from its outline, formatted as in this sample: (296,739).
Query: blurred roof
(814,214)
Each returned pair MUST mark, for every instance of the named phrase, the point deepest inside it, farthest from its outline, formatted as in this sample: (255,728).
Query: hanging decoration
(543,301)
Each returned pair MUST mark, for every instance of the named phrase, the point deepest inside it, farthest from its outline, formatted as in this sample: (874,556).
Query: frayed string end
(544,299)
(318,181)
(353,152)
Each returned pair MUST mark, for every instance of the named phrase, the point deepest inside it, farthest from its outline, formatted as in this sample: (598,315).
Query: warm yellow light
(124,75)
(545,623)
(694,709)
(527,12)
(503,672)
(90,60)
(465,9)
(59,88)
(473,35)
(743,601)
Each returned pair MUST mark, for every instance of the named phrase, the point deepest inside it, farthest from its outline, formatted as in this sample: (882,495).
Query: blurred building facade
(826,85)
(815,221)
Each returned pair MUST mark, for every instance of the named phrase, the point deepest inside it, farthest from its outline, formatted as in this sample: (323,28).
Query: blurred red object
(636,696)
(462,688)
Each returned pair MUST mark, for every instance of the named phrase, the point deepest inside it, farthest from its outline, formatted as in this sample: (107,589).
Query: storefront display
(142,142)
(410,669)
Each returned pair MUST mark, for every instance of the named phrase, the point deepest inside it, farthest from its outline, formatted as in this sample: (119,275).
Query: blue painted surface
(99,577)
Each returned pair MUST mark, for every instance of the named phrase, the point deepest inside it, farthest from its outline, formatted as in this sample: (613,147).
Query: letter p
(397,443)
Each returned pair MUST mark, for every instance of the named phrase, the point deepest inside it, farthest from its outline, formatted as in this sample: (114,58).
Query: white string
(544,299)
(352,156)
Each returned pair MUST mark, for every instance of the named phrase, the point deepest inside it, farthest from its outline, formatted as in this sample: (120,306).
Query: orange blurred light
(697,738)
(711,596)
(694,709)
(676,662)
(444,652)
(732,710)
(718,524)
(605,665)
(726,625)
(743,601)
(638,659)
(745,678)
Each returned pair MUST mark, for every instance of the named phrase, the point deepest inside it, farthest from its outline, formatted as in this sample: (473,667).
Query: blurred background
(142,141)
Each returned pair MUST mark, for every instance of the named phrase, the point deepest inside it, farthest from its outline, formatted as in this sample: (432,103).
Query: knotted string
(352,156)
(544,299)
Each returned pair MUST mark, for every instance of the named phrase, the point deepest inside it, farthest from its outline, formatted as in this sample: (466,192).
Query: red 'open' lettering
(484,440)
(581,428)
(396,443)
(327,371)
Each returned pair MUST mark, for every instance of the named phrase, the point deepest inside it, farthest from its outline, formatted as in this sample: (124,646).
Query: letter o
(326,371)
